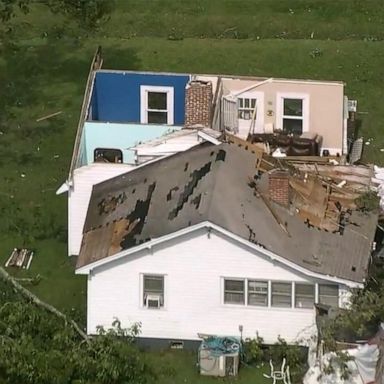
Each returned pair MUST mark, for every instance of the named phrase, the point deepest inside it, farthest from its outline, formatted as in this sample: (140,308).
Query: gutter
(87,269)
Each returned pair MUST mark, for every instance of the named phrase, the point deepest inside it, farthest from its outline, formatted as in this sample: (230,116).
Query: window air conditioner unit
(153,301)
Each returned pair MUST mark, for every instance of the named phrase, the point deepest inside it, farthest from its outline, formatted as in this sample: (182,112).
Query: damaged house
(184,221)
(208,241)
(130,118)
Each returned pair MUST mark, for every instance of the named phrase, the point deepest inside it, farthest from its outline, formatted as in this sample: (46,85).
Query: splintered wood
(321,192)
(20,258)
(312,204)
(264,163)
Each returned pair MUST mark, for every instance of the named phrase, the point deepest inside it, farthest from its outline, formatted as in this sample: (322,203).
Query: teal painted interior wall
(120,136)
(82,156)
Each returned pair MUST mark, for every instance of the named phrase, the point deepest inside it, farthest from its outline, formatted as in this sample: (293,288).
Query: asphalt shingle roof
(211,183)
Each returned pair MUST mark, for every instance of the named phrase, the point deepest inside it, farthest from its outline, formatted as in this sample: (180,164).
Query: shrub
(253,350)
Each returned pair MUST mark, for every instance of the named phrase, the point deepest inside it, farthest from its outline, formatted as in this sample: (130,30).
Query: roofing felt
(211,183)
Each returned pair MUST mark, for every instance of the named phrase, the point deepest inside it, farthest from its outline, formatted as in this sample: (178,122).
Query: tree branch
(30,296)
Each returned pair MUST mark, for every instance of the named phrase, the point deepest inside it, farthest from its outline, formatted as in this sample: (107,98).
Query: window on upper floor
(329,294)
(304,295)
(107,155)
(153,291)
(156,105)
(234,291)
(246,108)
(281,295)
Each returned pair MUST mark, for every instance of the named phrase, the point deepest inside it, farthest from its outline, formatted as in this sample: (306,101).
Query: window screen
(281,294)
(329,294)
(233,291)
(304,295)
(258,293)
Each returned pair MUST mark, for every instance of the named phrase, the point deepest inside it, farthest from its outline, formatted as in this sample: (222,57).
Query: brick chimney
(279,187)
(198,104)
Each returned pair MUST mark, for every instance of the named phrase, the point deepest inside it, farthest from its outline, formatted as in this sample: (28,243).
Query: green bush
(295,356)
(253,350)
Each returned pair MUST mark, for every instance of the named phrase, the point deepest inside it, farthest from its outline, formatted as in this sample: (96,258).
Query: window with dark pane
(304,295)
(157,100)
(293,126)
(234,291)
(281,295)
(293,107)
(258,293)
(157,117)
(108,155)
(329,294)
(153,286)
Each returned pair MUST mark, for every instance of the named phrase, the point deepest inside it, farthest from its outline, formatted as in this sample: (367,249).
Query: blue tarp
(219,346)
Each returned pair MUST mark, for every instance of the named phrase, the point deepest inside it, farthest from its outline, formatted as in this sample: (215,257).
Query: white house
(183,246)
(123,109)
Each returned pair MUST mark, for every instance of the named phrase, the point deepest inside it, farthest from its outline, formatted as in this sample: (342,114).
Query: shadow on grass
(28,69)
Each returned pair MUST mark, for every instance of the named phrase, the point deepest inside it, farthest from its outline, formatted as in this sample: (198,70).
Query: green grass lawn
(248,19)
(180,367)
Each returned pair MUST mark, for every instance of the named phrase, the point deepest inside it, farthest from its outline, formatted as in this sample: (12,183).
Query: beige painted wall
(326,102)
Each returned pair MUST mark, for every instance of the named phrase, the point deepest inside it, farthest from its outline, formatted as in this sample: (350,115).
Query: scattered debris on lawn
(48,116)
(20,258)
(29,280)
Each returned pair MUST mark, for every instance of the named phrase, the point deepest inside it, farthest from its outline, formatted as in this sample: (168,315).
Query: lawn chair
(282,375)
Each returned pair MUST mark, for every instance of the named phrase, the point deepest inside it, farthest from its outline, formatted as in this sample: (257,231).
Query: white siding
(194,266)
(84,179)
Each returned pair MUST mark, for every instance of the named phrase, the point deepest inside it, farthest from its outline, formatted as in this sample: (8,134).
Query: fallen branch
(48,116)
(30,296)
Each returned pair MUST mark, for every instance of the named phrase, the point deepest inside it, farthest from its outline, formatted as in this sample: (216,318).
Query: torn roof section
(174,142)
(211,183)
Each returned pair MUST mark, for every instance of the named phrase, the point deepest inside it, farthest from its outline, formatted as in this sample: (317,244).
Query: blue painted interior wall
(119,136)
(116,95)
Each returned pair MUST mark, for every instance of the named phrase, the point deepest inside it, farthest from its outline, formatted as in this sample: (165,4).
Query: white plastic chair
(281,375)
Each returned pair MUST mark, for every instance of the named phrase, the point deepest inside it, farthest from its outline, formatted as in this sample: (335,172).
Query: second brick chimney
(279,187)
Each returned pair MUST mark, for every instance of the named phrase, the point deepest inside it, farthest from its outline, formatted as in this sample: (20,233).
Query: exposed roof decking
(210,183)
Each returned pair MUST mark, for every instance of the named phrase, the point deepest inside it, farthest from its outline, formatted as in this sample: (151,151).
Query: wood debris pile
(20,258)
(322,192)
(325,195)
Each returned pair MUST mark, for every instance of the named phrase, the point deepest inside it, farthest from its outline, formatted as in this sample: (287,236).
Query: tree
(87,12)
(39,345)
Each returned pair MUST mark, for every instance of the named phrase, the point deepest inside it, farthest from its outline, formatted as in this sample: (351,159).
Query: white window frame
(295,292)
(144,90)
(269,282)
(246,109)
(292,294)
(252,292)
(259,122)
(280,109)
(142,303)
(244,281)
(338,293)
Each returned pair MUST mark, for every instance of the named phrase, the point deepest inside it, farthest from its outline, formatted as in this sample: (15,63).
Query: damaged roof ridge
(148,166)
